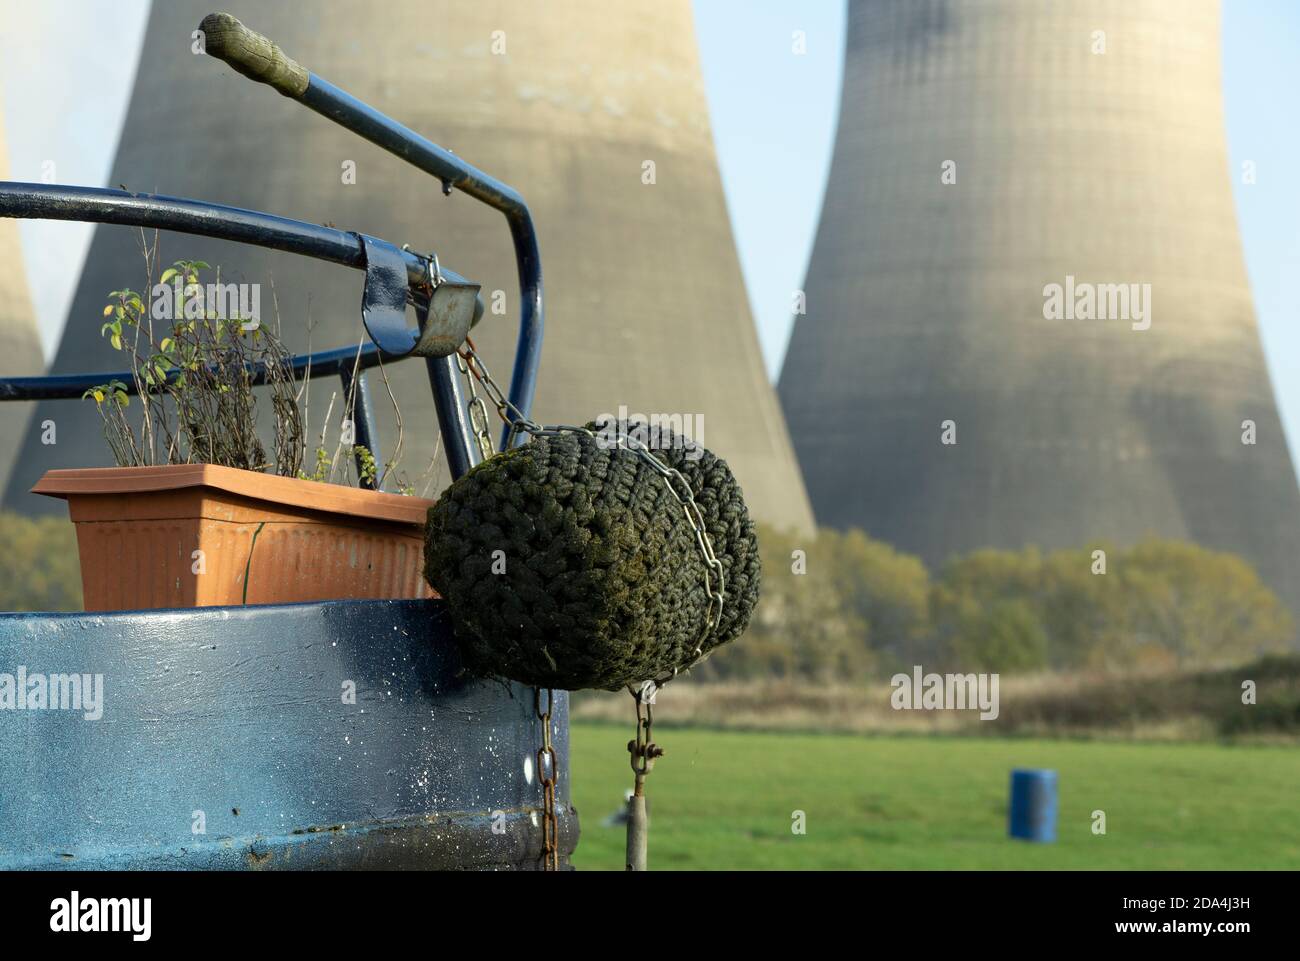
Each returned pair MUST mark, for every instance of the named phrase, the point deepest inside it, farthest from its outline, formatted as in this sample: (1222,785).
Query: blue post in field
(1033,805)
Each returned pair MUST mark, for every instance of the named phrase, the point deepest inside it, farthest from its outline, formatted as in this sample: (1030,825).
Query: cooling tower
(990,149)
(20,344)
(569,102)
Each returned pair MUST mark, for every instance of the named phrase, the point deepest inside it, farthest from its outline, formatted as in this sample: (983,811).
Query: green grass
(724,799)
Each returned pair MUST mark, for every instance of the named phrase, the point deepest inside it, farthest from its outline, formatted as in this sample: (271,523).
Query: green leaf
(116,341)
(168,274)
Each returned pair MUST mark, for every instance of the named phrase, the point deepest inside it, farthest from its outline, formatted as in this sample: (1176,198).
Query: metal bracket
(445,322)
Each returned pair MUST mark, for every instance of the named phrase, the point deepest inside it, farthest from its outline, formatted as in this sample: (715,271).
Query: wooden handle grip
(252,54)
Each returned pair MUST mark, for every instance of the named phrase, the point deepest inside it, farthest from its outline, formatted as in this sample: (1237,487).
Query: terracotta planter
(264,539)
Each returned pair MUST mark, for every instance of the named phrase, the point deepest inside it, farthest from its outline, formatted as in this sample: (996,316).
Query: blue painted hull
(235,721)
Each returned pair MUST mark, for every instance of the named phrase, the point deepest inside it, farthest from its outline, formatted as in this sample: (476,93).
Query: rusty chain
(547,763)
(478,415)
(643,749)
(547,774)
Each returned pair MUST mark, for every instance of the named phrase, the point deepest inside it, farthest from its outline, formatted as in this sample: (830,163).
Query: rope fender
(569,564)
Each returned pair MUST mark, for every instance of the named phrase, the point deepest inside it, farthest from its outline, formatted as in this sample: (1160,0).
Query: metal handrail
(257,58)
(334,362)
(340,362)
(198,217)
(245,50)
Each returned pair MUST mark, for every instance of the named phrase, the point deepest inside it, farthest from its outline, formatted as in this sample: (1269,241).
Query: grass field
(724,799)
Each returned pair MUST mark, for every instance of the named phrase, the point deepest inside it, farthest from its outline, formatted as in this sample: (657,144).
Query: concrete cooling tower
(20,343)
(569,102)
(1028,246)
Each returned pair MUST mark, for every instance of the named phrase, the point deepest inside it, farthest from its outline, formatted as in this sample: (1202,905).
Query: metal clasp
(446,309)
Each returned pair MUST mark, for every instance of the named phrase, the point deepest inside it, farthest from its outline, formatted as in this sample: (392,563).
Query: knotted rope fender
(599,581)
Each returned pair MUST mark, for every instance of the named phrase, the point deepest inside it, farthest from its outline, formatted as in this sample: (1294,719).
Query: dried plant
(195,370)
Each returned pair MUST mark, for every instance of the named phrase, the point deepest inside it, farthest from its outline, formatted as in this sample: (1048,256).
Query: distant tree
(985,610)
(990,574)
(842,605)
(1004,636)
(1200,606)
(1081,611)
(803,625)
(1160,602)
(885,589)
(39,570)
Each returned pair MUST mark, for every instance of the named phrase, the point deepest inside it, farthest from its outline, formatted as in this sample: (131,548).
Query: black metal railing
(245,51)
(341,362)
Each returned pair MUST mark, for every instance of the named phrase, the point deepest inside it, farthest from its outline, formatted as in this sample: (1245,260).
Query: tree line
(844,606)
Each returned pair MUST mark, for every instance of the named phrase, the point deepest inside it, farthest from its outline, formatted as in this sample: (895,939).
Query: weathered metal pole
(638,827)
(644,753)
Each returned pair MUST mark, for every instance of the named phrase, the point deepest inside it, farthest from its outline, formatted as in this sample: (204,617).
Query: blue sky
(773,114)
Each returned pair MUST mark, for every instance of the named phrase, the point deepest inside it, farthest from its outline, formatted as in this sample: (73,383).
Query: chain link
(644,752)
(478,412)
(643,749)
(547,774)
(547,763)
